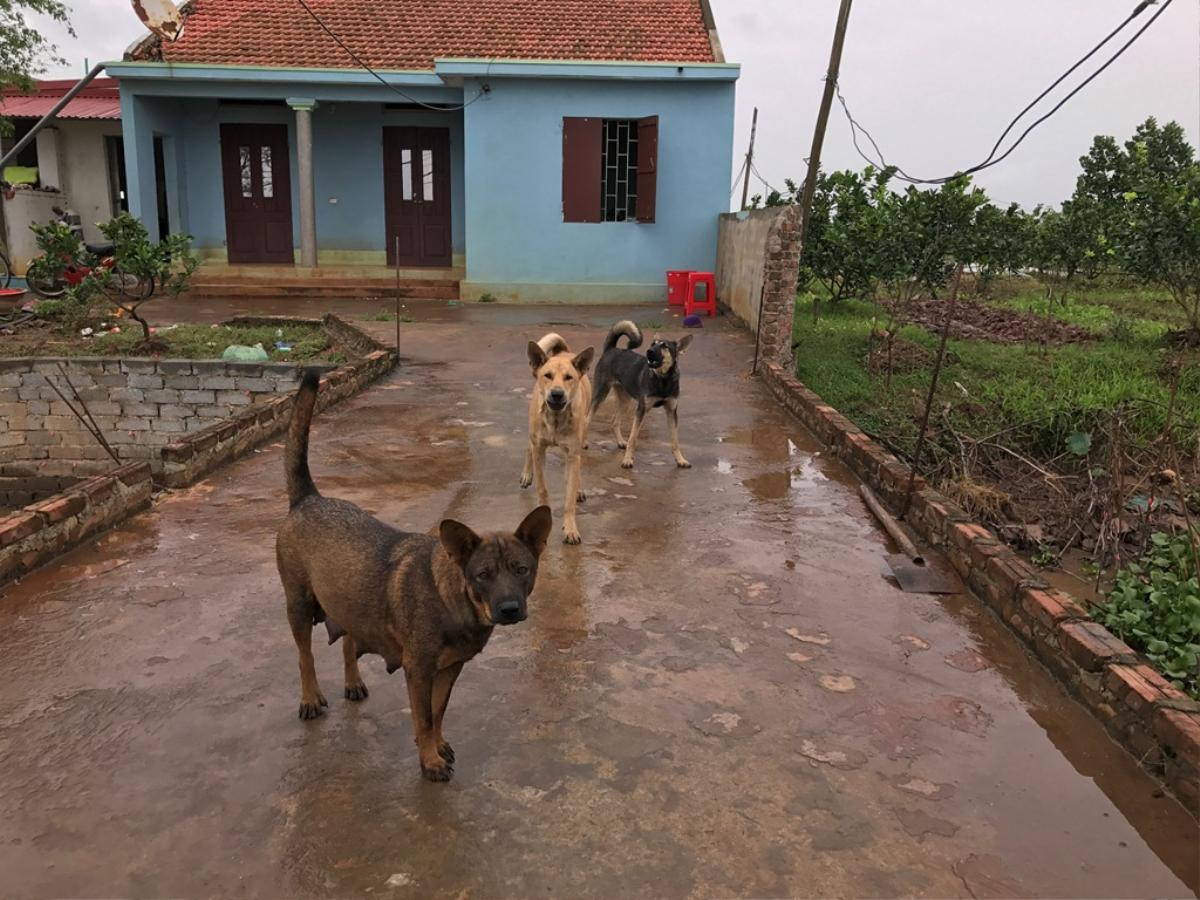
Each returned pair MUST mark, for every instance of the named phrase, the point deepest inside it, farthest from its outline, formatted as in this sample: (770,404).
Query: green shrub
(1155,606)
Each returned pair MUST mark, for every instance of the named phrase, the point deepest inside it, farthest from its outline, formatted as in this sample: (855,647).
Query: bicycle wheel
(5,271)
(44,284)
(132,287)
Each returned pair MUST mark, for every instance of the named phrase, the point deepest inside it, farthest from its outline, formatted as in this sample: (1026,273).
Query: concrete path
(718,694)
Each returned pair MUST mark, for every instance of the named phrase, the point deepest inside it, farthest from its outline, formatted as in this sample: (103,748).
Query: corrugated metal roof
(99,100)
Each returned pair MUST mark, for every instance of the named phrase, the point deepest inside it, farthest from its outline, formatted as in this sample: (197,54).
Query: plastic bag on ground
(242,353)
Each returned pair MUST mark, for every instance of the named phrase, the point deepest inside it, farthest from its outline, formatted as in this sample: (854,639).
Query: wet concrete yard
(718,693)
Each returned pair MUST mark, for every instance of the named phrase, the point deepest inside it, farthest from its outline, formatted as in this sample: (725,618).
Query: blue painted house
(541,149)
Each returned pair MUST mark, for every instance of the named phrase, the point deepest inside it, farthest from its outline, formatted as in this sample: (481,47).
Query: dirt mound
(979,322)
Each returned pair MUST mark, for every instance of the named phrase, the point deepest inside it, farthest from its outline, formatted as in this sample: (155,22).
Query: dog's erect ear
(583,361)
(683,344)
(458,540)
(534,530)
(537,356)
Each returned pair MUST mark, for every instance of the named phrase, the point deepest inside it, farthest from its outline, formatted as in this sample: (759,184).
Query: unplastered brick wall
(36,533)
(139,406)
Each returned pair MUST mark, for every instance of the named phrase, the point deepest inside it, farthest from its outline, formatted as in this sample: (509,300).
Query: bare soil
(978,321)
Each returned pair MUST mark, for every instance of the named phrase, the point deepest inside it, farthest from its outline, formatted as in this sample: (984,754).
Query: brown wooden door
(416,195)
(258,193)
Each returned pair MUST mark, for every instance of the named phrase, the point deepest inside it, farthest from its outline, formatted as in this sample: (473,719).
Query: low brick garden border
(1151,718)
(32,536)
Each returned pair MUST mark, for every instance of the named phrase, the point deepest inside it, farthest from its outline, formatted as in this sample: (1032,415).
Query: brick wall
(254,402)
(139,405)
(21,485)
(758,257)
(36,534)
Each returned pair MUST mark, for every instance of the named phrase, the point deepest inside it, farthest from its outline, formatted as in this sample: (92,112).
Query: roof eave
(473,67)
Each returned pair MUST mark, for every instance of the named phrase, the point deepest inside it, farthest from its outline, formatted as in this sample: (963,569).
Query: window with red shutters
(647,168)
(581,169)
(610,169)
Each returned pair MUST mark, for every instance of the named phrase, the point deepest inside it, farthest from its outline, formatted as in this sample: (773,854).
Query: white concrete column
(49,157)
(304,168)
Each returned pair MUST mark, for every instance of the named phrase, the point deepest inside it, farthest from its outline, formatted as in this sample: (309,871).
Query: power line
(766,184)
(992,159)
(387,84)
(737,178)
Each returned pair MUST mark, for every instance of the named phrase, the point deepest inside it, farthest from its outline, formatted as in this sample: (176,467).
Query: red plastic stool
(709,304)
(676,286)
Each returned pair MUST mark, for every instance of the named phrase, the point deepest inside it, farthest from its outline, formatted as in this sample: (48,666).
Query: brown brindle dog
(425,603)
(559,410)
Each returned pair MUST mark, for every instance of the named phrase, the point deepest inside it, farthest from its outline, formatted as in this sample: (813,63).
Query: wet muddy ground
(719,693)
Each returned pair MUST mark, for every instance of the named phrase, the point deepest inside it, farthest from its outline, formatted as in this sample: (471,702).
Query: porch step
(305,287)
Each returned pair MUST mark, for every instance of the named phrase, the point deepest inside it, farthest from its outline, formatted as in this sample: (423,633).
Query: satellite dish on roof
(162,17)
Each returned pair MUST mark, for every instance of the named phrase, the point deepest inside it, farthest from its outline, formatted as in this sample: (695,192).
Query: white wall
(85,171)
(25,208)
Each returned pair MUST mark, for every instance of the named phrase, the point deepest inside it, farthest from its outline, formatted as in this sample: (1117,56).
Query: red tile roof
(410,34)
(99,100)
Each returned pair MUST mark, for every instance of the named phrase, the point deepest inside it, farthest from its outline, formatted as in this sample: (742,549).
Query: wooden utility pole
(749,158)
(814,156)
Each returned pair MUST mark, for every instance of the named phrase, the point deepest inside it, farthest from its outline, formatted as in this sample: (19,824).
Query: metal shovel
(912,570)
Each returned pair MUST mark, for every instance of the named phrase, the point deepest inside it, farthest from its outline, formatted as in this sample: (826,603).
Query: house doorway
(258,193)
(416,196)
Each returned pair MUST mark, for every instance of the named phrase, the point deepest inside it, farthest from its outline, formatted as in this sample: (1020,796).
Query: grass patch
(1138,315)
(384,316)
(183,341)
(992,387)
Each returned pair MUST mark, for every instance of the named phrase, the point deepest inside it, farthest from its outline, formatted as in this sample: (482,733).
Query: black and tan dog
(425,603)
(640,381)
(559,411)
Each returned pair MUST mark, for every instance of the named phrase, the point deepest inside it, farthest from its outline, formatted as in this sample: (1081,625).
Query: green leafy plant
(1155,606)
(487,297)
(143,269)
(1045,557)
(24,51)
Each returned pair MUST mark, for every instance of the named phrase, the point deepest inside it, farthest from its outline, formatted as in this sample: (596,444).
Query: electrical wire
(766,184)
(737,178)
(387,84)
(992,159)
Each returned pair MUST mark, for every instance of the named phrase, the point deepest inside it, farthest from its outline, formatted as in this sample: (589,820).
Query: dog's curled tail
(627,329)
(553,344)
(299,480)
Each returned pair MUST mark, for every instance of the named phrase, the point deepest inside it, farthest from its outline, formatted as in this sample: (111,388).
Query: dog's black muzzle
(557,399)
(654,357)
(509,612)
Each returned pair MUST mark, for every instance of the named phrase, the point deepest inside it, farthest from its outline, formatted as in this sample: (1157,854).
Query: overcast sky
(935,81)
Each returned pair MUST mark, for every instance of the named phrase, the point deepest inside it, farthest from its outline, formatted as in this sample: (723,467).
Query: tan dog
(558,417)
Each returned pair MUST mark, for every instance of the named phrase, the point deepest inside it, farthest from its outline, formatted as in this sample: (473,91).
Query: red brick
(56,509)
(98,488)
(1181,732)
(180,452)
(983,551)
(1007,573)
(204,440)
(1091,645)
(963,534)
(1049,607)
(132,473)
(18,526)
(1139,687)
